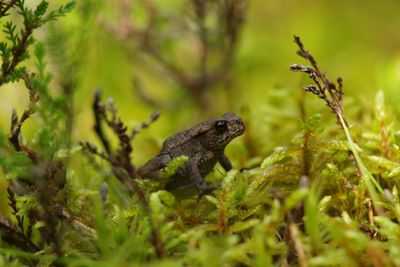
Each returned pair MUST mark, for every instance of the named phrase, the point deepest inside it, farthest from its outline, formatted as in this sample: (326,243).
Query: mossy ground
(316,177)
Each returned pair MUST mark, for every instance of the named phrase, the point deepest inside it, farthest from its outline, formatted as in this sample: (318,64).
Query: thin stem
(3,11)
(294,234)
(367,177)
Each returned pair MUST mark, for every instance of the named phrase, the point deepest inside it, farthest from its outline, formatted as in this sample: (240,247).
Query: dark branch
(14,209)
(11,236)
(334,98)
(98,111)
(16,128)
(17,53)
(5,7)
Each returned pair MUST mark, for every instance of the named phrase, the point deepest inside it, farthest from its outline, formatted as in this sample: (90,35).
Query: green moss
(312,185)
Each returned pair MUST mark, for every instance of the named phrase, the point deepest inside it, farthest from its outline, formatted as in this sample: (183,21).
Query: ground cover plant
(315,178)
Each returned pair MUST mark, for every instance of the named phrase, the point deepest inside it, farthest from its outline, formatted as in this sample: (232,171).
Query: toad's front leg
(193,172)
(225,163)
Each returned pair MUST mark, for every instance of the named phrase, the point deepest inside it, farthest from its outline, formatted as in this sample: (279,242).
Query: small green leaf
(395,193)
(172,166)
(380,105)
(212,200)
(312,124)
(166,198)
(387,227)
(397,138)
(279,154)
(41,8)
(67,152)
(245,214)
(26,203)
(323,203)
(62,10)
(229,178)
(40,51)
(240,226)
(17,165)
(333,257)
(382,162)
(336,145)
(394,172)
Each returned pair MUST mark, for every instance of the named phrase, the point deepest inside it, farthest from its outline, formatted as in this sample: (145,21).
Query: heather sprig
(332,95)
(329,92)
(298,199)
(14,50)
(106,113)
(120,159)
(36,186)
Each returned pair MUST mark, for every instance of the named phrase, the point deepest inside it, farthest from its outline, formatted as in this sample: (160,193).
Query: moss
(325,194)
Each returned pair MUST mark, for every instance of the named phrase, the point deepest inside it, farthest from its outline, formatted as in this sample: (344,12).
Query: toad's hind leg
(152,168)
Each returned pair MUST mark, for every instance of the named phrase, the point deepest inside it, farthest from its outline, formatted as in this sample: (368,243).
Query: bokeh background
(357,40)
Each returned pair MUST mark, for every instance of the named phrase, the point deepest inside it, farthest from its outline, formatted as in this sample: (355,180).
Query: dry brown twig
(120,160)
(329,92)
(332,95)
(4,7)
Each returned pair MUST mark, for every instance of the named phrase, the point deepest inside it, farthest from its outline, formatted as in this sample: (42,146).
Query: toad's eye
(221,126)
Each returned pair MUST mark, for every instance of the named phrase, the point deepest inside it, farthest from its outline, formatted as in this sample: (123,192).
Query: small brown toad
(204,145)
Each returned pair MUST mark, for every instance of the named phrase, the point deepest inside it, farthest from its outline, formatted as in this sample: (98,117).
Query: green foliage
(17,165)
(310,192)
(15,51)
(172,166)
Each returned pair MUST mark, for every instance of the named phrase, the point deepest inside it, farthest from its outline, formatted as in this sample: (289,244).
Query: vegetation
(306,191)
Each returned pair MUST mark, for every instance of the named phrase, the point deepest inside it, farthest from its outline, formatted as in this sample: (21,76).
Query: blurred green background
(126,47)
(357,40)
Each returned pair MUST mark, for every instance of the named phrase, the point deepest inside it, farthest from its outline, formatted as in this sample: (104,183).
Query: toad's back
(181,139)
(204,145)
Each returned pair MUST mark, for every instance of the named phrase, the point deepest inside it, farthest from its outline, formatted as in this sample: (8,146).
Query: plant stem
(369,180)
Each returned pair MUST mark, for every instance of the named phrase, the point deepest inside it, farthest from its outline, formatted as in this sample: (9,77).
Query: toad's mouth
(238,131)
(239,128)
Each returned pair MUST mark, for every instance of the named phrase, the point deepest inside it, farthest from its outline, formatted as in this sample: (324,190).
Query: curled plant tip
(331,93)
